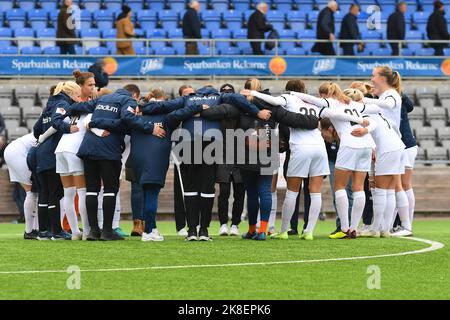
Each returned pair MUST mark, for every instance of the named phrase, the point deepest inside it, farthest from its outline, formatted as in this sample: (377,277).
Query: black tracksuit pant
(50,193)
(238,203)
(96,172)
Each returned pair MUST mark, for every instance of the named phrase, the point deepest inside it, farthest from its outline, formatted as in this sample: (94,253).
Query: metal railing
(212,44)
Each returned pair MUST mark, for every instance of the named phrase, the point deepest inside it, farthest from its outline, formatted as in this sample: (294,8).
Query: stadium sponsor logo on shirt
(149,65)
(106,108)
(322,65)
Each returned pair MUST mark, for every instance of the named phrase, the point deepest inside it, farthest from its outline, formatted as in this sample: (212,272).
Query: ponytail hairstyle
(296,85)
(393,78)
(82,77)
(68,87)
(354,94)
(332,90)
(361,86)
(325,124)
(252,84)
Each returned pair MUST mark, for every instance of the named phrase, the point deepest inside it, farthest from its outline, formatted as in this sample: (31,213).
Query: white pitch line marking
(434,245)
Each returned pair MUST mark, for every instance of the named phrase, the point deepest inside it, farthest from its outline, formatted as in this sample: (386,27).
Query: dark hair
(438,4)
(352,6)
(325,123)
(227,88)
(182,88)
(52,89)
(296,85)
(132,88)
(81,77)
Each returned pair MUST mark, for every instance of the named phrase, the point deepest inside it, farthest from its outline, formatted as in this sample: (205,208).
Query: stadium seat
(147,19)
(426,96)
(27,4)
(420,16)
(413,35)
(89,38)
(221,34)
(297,19)
(169,19)
(26,95)
(230,51)
(426,136)
(104,19)
(32,112)
(164,51)
(175,34)
(85,19)
(49,4)
(114,5)
(306,34)
(44,94)
(437,117)
(233,19)
(421,155)
(51,51)
(211,19)
(444,134)
(38,18)
(220,5)
(10,112)
(313,16)
(5,33)
(437,153)
(11,124)
(175,5)
(6,95)
(31,50)
(135,5)
(99,51)
(24,33)
(295,51)
(179,47)
(16,18)
(46,33)
(444,95)
(6,5)
(415,46)
(17,132)
(241,5)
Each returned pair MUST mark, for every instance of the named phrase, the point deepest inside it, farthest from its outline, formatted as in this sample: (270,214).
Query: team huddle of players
(77,146)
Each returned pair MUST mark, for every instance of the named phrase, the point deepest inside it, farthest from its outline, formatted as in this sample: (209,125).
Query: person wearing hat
(125,30)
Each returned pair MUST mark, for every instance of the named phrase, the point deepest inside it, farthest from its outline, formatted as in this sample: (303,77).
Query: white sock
(314,211)
(69,205)
(116,219)
(359,201)
(100,209)
(29,207)
(389,210)
(273,212)
(342,208)
(288,209)
(411,204)
(82,210)
(379,205)
(62,210)
(403,209)
(258,219)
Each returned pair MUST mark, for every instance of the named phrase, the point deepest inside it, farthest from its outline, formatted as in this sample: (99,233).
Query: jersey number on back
(352,112)
(307,111)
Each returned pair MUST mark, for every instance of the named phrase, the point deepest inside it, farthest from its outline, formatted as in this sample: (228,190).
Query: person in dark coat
(396,27)
(100,76)
(437,28)
(258,26)
(350,30)
(325,30)
(51,191)
(192,27)
(66,28)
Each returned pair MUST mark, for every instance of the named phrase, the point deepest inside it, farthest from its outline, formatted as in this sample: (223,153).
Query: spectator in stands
(396,26)
(101,77)
(191,27)
(325,30)
(437,28)
(66,29)
(125,30)
(258,26)
(350,30)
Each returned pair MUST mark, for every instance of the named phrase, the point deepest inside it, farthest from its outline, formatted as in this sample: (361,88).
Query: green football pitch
(228,268)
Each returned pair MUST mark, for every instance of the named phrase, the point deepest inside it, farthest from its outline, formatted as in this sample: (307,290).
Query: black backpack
(273,35)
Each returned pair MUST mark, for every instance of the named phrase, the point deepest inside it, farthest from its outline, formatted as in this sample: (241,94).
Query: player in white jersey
(389,165)
(387,86)
(354,155)
(16,160)
(70,167)
(308,155)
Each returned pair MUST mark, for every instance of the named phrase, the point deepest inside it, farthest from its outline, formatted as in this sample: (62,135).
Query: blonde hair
(393,78)
(332,90)
(68,87)
(157,94)
(252,84)
(354,94)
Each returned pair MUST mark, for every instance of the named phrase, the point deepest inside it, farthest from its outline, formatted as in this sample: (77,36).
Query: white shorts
(308,161)
(353,159)
(17,166)
(390,163)
(68,164)
(410,157)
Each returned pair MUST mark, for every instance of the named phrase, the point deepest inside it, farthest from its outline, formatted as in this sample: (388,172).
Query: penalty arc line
(434,245)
